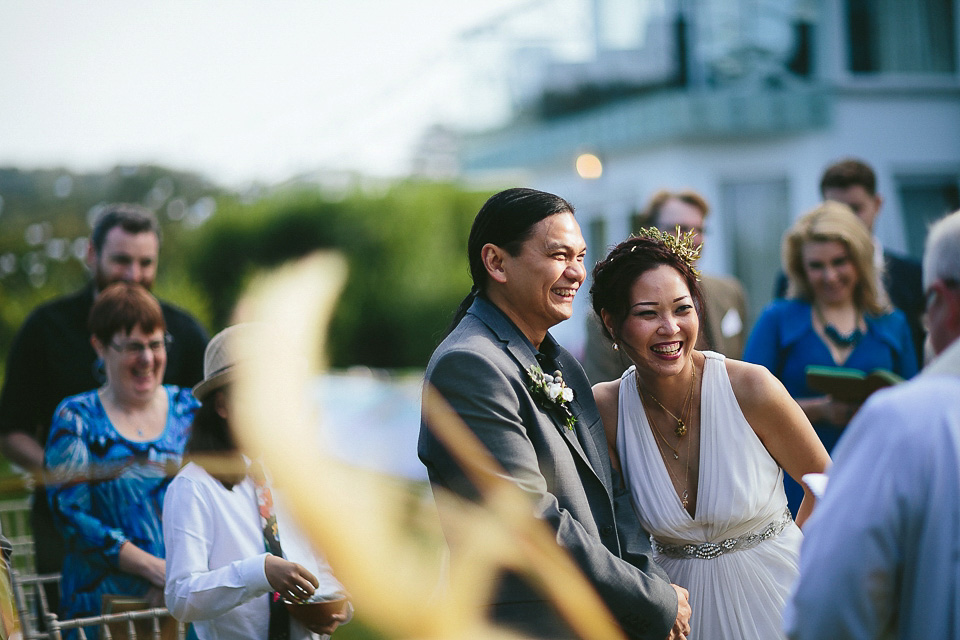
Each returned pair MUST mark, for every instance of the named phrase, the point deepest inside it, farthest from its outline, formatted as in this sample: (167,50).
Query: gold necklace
(685,408)
(685,494)
(660,438)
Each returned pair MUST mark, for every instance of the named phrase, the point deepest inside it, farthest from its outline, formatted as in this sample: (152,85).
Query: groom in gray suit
(526,257)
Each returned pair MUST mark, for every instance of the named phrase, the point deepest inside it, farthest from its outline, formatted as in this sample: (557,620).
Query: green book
(849,385)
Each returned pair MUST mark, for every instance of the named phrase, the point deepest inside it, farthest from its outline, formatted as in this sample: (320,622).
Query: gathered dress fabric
(738,593)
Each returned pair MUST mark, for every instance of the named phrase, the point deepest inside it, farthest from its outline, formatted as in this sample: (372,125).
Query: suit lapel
(517,345)
(522,353)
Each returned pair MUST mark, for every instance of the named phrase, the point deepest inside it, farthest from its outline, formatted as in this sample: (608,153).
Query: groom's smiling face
(541,280)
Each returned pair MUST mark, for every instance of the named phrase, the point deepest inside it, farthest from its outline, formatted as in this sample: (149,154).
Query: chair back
(144,624)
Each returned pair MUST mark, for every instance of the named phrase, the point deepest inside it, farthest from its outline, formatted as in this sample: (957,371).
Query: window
(924,200)
(755,214)
(901,36)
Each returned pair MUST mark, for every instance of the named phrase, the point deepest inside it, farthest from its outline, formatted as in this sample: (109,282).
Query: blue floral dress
(120,499)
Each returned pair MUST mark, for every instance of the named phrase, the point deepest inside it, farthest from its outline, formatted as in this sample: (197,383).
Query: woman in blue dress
(836,314)
(110,455)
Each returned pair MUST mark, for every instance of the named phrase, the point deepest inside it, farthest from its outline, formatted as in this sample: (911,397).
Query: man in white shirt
(880,555)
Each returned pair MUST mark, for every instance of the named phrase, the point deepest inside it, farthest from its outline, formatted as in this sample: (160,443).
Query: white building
(745,101)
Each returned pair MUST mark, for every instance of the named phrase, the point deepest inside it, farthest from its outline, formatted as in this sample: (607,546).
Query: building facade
(745,101)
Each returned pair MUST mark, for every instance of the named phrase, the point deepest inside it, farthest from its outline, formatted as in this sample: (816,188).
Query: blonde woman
(834,315)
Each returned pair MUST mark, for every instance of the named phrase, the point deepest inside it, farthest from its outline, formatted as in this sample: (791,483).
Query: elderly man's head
(941,282)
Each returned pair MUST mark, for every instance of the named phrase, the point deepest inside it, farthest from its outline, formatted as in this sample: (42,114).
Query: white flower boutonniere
(552,393)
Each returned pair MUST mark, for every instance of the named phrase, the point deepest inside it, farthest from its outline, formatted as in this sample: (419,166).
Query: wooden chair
(30,599)
(144,624)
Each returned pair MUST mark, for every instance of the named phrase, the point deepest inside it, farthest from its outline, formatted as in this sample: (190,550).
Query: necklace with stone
(685,494)
(681,429)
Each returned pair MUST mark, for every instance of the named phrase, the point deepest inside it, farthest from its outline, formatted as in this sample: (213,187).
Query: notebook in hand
(849,385)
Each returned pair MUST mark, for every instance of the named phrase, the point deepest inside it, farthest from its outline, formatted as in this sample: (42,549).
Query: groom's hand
(681,627)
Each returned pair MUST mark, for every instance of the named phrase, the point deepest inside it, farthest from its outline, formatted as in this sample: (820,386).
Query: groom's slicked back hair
(506,220)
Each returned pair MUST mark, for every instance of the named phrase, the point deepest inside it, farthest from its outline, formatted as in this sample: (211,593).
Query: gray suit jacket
(481,370)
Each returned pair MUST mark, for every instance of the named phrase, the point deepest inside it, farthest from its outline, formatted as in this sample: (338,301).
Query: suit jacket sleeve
(498,409)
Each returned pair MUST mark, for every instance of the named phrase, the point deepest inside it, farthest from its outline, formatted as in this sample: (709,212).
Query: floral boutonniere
(552,392)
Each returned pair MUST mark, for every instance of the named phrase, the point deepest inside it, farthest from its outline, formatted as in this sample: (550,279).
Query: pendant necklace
(681,429)
(685,494)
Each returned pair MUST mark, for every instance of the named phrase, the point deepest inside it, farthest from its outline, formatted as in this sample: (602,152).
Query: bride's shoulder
(751,382)
(606,394)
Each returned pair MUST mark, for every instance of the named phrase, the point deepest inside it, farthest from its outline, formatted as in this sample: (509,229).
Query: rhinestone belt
(709,550)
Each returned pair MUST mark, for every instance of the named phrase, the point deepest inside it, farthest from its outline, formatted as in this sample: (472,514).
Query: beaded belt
(709,550)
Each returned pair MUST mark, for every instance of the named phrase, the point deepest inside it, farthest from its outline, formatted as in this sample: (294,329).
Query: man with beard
(51,356)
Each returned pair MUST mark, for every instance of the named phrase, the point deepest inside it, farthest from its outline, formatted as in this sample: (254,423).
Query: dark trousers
(48,546)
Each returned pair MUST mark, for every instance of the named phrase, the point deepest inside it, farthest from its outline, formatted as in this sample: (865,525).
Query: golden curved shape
(382,546)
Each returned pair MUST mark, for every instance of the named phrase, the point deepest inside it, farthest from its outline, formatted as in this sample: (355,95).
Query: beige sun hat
(220,359)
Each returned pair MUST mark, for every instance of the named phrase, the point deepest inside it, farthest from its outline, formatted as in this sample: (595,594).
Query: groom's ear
(492,257)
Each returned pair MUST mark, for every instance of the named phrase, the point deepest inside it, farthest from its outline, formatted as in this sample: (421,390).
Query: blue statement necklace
(840,339)
(843,340)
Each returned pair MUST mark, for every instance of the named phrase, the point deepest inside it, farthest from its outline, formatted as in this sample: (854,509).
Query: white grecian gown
(737,593)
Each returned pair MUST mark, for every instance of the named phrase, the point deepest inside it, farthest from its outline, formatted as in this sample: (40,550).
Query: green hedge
(405,248)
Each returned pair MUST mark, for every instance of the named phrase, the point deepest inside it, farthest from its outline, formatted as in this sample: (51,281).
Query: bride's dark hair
(613,277)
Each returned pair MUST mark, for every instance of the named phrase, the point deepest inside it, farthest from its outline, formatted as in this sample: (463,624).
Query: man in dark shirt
(51,356)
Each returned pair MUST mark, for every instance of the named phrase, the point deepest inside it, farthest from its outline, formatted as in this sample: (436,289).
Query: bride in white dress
(701,442)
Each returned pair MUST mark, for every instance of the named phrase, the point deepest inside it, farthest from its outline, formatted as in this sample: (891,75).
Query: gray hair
(941,256)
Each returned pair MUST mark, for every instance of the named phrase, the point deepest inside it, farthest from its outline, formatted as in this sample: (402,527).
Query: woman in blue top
(836,314)
(110,455)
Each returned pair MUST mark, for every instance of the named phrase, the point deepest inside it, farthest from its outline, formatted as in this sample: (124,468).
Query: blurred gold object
(380,540)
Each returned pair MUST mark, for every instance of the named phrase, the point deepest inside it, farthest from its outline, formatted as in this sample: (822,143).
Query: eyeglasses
(930,294)
(136,348)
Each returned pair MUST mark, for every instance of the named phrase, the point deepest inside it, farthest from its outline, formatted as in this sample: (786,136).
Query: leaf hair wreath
(680,244)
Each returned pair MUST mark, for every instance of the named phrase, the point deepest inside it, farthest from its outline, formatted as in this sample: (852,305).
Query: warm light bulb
(589,166)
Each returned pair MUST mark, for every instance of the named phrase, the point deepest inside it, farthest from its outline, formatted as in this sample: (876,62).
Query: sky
(237,90)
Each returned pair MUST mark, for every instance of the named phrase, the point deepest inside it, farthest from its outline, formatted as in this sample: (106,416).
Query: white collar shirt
(880,559)
(215,558)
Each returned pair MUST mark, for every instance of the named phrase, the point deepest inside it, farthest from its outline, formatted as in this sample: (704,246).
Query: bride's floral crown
(680,244)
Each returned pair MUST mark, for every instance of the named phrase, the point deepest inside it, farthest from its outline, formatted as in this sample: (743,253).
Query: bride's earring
(616,347)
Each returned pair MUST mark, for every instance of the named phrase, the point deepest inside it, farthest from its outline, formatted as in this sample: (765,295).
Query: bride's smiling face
(661,326)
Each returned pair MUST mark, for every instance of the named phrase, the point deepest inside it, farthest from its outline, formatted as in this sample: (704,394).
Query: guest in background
(880,559)
(219,575)
(836,314)
(51,356)
(725,305)
(108,456)
(854,183)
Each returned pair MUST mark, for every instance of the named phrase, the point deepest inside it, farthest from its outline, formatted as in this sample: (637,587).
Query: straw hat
(220,359)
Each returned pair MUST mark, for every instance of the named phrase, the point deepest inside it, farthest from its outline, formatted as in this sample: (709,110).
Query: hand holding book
(849,385)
